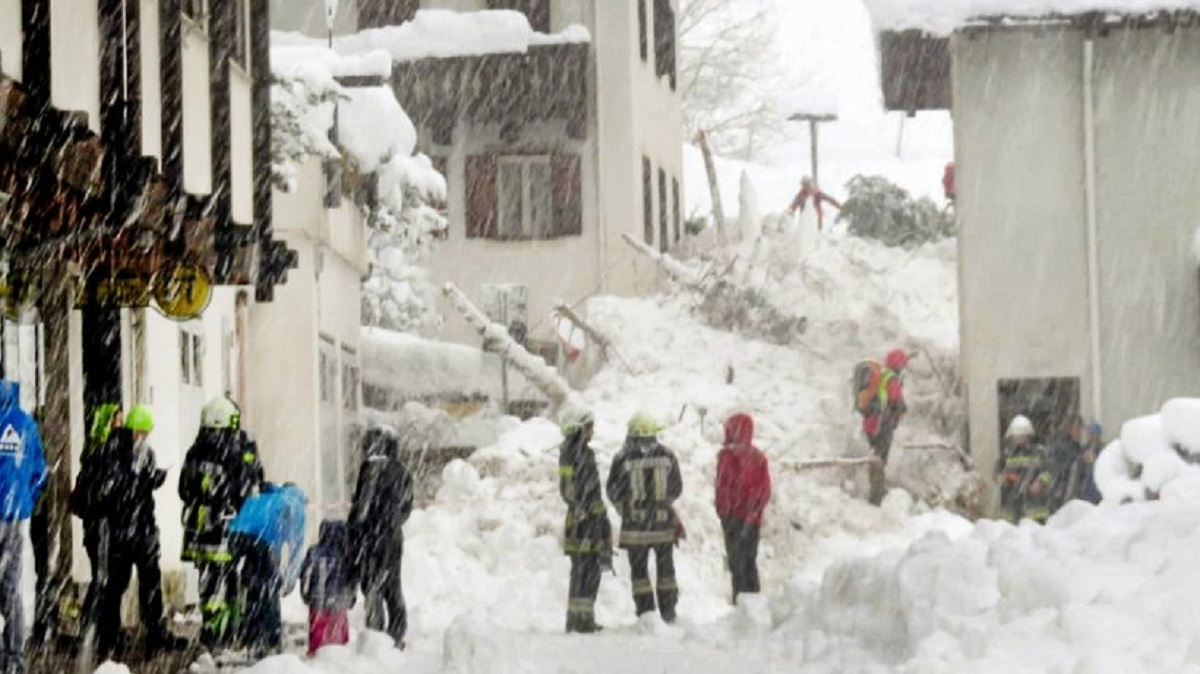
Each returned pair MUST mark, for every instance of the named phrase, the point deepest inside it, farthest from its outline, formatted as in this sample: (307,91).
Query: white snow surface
(942,17)
(439,33)
(1153,452)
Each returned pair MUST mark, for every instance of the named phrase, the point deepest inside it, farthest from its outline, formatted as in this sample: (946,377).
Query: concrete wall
(1024,293)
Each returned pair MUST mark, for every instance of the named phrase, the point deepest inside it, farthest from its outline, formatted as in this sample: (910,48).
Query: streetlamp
(813,120)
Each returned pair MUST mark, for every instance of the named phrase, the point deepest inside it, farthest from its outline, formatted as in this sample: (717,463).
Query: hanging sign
(182,291)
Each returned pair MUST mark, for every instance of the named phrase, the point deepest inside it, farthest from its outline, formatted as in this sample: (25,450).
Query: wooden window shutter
(481,196)
(568,194)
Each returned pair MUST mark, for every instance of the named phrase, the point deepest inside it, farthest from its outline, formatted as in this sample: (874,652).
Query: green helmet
(221,412)
(140,419)
(575,420)
(643,425)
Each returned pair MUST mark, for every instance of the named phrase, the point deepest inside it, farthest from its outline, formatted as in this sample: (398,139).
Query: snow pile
(438,33)
(942,17)
(1152,452)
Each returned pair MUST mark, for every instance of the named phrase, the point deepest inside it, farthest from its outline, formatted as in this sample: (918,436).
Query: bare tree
(726,81)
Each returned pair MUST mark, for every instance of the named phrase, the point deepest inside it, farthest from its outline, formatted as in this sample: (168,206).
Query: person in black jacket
(643,485)
(587,535)
(221,470)
(121,500)
(383,500)
(327,585)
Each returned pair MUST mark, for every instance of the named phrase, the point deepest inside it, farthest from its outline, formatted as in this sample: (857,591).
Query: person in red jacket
(743,490)
(880,424)
(810,192)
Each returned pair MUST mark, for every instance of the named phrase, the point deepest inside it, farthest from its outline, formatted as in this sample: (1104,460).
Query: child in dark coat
(327,585)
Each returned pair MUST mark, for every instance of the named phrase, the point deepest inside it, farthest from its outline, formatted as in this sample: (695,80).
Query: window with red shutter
(481,196)
(568,194)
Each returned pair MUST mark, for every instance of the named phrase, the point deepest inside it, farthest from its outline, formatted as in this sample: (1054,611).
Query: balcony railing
(548,83)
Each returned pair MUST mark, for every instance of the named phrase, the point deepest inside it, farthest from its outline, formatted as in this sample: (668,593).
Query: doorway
(1048,403)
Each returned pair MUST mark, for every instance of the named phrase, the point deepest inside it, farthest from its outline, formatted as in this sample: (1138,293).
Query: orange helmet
(896,359)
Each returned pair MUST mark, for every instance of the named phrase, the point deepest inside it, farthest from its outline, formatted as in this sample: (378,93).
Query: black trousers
(741,549)
(585,585)
(644,592)
(46,603)
(881,444)
(383,592)
(260,587)
(114,559)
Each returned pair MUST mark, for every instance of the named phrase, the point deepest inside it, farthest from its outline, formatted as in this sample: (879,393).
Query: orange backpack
(868,376)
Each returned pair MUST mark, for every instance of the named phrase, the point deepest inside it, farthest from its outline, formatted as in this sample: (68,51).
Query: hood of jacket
(102,422)
(380,444)
(334,534)
(739,431)
(10,395)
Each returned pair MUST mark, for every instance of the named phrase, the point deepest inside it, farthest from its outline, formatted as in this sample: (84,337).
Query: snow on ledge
(942,17)
(440,33)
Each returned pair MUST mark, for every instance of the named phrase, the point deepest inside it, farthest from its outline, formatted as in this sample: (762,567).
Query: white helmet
(1020,426)
(221,412)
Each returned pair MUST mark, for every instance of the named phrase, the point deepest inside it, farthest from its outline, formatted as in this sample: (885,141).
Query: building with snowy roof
(1075,134)
(557,124)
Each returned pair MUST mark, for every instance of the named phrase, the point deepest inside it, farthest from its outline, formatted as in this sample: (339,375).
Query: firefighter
(1026,480)
(587,534)
(220,472)
(643,485)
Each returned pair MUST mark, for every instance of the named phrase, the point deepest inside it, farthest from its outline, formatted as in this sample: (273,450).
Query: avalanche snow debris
(1153,452)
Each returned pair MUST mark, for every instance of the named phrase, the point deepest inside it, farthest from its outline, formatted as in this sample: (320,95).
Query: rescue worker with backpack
(221,470)
(643,484)
(587,533)
(22,477)
(1025,475)
(879,398)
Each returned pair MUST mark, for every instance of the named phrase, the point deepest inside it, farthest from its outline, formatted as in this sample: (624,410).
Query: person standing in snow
(327,585)
(22,477)
(643,484)
(383,502)
(743,490)
(121,498)
(221,470)
(267,523)
(1024,470)
(1065,463)
(882,416)
(587,533)
(809,191)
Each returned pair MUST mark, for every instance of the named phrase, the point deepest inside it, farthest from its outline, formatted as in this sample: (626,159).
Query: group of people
(244,534)
(643,484)
(1036,480)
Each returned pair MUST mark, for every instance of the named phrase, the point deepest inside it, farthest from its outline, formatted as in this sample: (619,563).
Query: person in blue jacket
(267,523)
(22,476)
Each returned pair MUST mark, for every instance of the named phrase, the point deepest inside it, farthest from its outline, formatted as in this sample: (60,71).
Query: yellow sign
(182,291)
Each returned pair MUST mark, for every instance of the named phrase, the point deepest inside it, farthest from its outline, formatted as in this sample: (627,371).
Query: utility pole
(813,120)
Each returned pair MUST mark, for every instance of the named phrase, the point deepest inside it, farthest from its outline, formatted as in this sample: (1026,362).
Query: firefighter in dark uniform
(1024,471)
(643,485)
(587,535)
(220,472)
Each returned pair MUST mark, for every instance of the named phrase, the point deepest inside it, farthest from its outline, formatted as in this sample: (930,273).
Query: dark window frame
(678,210)
(647,201)
(664,231)
(484,199)
(643,30)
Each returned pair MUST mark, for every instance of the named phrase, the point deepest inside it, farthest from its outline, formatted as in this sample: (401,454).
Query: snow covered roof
(439,33)
(942,17)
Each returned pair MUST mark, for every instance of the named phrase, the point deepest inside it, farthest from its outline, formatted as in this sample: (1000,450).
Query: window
(648,200)
(349,380)
(675,205)
(537,11)
(328,374)
(196,10)
(664,232)
(240,52)
(380,13)
(643,37)
(524,197)
(664,40)
(191,358)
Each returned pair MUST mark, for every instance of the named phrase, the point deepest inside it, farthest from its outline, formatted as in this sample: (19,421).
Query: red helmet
(896,359)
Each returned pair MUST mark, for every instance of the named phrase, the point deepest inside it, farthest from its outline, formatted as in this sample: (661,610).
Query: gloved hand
(680,531)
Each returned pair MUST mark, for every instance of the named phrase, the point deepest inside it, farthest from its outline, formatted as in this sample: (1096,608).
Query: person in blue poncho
(22,476)
(268,523)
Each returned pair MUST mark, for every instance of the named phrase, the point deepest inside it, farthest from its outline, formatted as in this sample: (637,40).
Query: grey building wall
(1021,177)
